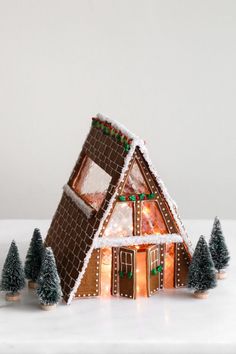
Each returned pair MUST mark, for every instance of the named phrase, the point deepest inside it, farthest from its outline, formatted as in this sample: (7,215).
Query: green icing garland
(107,129)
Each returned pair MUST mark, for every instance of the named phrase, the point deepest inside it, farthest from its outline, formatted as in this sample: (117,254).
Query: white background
(165,69)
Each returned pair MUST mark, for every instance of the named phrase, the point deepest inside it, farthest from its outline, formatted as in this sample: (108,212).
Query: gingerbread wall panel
(90,284)
(71,233)
(115,271)
(182,263)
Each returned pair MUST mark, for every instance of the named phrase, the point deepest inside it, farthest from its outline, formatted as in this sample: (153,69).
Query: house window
(126,261)
(154,258)
(91,183)
(135,183)
(121,221)
(152,221)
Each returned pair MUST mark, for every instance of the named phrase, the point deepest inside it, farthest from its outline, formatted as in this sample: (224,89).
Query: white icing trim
(137,240)
(118,126)
(86,209)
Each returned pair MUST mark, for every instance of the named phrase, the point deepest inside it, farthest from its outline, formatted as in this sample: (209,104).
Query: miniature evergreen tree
(49,289)
(34,257)
(13,278)
(201,271)
(218,249)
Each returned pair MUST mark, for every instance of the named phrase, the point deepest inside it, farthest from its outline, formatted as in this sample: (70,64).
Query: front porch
(135,266)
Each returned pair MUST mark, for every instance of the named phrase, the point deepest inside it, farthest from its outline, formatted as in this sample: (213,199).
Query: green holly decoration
(121,274)
(130,275)
(122,198)
(122,139)
(154,271)
(112,132)
(151,196)
(106,130)
(132,198)
(142,196)
(97,124)
(118,137)
(159,268)
(126,147)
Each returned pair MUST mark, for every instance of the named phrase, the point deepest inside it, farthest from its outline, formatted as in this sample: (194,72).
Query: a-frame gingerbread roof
(76,227)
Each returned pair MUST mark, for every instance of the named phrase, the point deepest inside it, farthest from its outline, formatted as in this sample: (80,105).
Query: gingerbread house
(116,231)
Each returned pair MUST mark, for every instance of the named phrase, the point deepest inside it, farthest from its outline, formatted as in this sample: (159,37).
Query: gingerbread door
(127,272)
(153,269)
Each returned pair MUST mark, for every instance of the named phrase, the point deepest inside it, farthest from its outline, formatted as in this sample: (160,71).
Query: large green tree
(34,256)
(49,289)
(218,248)
(13,278)
(201,275)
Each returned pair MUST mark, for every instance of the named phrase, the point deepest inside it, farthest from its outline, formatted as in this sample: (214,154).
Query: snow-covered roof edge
(118,126)
(85,208)
(137,240)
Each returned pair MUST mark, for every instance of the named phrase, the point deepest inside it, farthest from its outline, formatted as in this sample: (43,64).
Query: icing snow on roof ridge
(136,139)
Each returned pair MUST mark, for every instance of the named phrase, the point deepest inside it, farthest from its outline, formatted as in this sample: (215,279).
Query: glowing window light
(141,276)
(135,183)
(121,221)
(152,220)
(106,271)
(91,183)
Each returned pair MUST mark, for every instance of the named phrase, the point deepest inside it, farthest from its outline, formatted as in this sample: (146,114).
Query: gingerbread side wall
(90,284)
(182,262)
(71,233)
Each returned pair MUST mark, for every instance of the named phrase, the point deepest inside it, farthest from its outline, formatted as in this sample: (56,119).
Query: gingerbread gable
(113,169)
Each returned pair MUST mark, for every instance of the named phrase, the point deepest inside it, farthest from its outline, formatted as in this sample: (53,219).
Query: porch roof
(137,240)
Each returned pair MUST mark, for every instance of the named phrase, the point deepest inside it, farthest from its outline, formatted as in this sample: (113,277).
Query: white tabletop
(169,322)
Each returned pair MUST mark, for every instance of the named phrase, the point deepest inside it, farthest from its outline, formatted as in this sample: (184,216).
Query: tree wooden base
(221,275)
(13,297)
(48,307)
(32,284)
(201,294)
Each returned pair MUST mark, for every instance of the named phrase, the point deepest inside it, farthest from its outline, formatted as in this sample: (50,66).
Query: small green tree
(218,248)
(13,278)
(34,258)
(49,289)
(201,275)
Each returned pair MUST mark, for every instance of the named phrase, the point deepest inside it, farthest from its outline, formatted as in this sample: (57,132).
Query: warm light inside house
(152,220)
(106,257)
(91,183)
(141,277)
(169,266)
(135,183)
(121,222)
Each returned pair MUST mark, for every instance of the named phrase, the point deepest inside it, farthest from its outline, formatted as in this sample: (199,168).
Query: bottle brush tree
(34,258)
(49,289)
(218,249)
(13,278)
(201,275)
